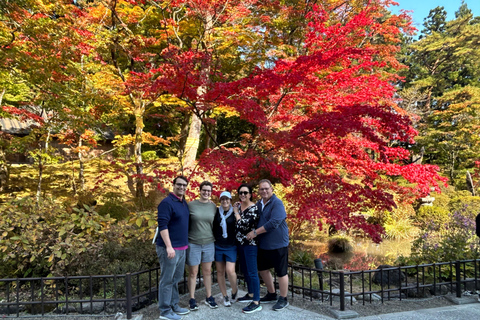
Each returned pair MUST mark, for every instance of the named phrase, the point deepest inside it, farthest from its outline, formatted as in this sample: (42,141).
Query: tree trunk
(139,113)
(193,140)
(4,175)
(81,172)
(40,168)
(183,135)
(40,175)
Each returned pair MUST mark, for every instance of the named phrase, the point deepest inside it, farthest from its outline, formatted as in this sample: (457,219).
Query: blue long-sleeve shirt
(273,218)
(173,214)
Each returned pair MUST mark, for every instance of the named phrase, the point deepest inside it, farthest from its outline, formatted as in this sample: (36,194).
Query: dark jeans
(248,264)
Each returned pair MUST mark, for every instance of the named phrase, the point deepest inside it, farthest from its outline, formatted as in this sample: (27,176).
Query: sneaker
(226,302)
(269,298)
(252,307)
(211,302)
(246,298)
(171,316)
(193,304)
(179,310)
(281,304)
(234,297)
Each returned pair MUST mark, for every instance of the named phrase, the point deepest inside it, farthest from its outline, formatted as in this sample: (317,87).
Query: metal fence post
(459,279)
(128,284)
(319,265)
(342,291)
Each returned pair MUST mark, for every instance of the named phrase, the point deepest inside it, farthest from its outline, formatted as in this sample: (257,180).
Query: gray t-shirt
(201,222)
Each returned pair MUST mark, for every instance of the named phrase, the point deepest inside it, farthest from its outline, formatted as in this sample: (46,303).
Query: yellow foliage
(147,138)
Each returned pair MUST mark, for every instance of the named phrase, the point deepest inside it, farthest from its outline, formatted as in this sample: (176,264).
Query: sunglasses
(243,193)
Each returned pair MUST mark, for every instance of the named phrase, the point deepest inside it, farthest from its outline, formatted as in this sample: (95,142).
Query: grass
(58,180)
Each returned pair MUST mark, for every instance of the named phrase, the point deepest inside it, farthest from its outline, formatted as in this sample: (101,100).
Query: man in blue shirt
(273,240)
(171,244)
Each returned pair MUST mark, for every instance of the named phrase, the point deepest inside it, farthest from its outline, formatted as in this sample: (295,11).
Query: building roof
(14,126)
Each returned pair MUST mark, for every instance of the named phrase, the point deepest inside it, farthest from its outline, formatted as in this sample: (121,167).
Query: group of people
(198,232)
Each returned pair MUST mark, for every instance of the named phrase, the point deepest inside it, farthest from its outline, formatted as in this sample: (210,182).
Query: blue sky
(421,8)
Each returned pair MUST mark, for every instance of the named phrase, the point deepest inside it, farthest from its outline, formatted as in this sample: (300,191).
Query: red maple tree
(326,124)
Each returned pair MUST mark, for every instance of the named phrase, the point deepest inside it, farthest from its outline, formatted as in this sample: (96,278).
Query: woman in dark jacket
(225,246)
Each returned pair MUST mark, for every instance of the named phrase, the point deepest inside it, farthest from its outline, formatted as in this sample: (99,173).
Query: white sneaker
(226,302)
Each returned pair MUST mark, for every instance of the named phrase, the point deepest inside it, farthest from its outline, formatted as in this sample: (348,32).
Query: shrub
(339,244)
(116,210)
(398,224)
(433,216)
(300,255)
(455,240)
(42,240)
(149,155)
(469,205)
(116,258)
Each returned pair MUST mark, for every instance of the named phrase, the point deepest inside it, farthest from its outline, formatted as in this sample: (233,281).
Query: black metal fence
(109,294)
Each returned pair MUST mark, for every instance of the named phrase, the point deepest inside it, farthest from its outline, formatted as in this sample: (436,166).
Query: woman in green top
(201,248)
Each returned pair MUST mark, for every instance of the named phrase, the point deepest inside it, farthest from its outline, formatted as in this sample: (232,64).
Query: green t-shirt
(201,222)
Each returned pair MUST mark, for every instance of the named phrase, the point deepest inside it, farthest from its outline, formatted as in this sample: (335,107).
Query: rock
(440,290)
(11,309)
(64,309)
(91,308)
(369,297)
(337,298)
(471,285)
(420,293)
(388,277)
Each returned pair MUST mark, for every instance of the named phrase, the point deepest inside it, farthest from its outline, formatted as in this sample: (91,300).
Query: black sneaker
(234,297)
(269,298)
(252,307)
(193,304)
(211,302)
(246,299)
(281,304)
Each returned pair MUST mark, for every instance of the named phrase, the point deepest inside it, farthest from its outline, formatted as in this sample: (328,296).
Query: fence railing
(109,294)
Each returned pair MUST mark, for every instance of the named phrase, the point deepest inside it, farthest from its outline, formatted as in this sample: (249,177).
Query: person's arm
(166,239)
(256,232)
(236,210)
(277,216)
(163,218)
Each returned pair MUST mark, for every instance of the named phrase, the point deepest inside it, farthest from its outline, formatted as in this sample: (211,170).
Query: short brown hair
(206,183)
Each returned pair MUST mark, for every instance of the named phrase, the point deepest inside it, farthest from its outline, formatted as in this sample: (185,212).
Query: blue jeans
(171,272)
(248,264)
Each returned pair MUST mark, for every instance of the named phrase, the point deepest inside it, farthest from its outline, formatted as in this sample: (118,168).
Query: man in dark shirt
(172,243)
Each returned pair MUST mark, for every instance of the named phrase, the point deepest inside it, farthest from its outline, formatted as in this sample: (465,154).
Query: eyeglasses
(243,193)
(264,189)
(181,185)
(225,199)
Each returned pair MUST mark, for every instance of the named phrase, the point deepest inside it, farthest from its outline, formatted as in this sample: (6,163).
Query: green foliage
(398,224)
(465,202)
(149,155)
(433,216)
(300,255)
(115,210)
(455,240)
(114,206)
(444,74)
(42,240)
(116,258)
